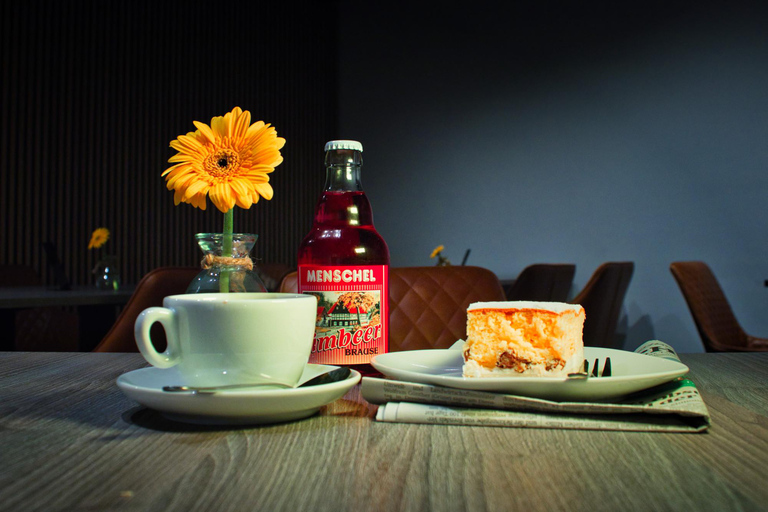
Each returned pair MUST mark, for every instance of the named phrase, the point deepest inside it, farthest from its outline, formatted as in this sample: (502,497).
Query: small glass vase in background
(107,274)
(222,274)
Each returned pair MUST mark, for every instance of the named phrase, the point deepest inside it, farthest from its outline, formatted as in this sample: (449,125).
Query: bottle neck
(343,170)
(342,179)
(343,202)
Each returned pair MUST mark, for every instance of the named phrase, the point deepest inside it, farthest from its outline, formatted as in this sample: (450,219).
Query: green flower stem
(226,248)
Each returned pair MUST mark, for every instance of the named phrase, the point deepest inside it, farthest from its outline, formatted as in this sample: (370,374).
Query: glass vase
(107,274)
(227,266)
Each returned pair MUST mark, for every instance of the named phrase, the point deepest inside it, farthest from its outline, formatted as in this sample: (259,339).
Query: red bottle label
(352,311)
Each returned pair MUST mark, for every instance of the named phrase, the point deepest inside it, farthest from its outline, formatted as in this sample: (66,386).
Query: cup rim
(239,297)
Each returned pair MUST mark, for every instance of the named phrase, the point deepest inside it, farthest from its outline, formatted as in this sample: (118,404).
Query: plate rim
(239,393)
(253,406)
(594,389)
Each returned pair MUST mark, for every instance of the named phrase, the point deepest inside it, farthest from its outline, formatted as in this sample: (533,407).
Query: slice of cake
(523,338)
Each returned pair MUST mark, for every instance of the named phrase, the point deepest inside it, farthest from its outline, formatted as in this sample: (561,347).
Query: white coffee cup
(218,339)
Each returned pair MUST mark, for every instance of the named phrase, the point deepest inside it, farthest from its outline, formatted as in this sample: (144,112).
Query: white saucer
(234,407)
(630,372)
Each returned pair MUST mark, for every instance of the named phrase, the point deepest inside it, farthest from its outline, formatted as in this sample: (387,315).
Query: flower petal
(220,126)
(180,180)
(178,196)
(240,187)
(179,157)
(171,169)
(255,128)
(198,201)
(264,190)
(187,144)
(195,188)
(260,170)
(240,127)
(222,197)
(206,131)
(242,194)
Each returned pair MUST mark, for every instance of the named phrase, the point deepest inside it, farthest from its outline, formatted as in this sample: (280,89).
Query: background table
(70,440)
(97,309)
(40,296)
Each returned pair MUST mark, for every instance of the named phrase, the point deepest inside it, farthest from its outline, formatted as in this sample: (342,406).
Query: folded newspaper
(675,406)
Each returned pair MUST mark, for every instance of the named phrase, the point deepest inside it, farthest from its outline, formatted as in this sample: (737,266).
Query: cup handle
(144,321)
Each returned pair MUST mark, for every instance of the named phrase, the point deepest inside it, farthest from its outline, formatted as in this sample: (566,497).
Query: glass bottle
(344,262)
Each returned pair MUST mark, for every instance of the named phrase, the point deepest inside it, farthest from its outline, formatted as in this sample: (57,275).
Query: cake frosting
(522,338)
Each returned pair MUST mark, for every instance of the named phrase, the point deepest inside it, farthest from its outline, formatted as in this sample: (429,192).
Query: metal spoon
(325,378)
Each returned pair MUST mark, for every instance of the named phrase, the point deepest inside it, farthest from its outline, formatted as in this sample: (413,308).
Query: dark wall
(93,92)
(583,132)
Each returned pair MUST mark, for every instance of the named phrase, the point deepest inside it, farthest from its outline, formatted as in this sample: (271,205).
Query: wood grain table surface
(70,440)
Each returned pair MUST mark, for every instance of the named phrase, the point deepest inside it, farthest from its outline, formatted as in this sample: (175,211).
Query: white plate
(242,406)
(630,372)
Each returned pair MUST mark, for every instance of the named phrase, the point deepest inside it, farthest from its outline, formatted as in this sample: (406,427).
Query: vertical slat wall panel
(93,92)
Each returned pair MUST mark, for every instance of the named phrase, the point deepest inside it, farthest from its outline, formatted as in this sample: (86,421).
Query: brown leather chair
(290,283)
(272,274)
(151,290)
(602,298)
(542,282)
(428,305)
(718,327)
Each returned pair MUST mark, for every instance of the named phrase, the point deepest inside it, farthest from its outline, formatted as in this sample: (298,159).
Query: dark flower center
(222,163)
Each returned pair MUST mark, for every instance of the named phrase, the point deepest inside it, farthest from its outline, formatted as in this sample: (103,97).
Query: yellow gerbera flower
(437,251)
(98,238)
(228,161)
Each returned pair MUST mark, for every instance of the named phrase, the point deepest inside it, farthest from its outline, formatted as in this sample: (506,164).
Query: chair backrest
(151,290)
(542,282)
(602,298)
(290,283)
(272,274)
(428,305)
(717,325)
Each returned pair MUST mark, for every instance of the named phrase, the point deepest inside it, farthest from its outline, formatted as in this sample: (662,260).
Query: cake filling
(523,338)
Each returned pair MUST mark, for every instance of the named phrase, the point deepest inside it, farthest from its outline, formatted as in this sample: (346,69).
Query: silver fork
(596,372)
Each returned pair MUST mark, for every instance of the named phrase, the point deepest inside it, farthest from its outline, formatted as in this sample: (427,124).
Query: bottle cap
(343,144)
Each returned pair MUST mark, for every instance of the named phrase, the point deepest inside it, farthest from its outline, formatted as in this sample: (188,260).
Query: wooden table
(70,440)
(97,309)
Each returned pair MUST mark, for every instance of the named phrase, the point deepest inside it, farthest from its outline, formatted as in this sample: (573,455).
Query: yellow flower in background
(228,161)
(442,261)
(98,238)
